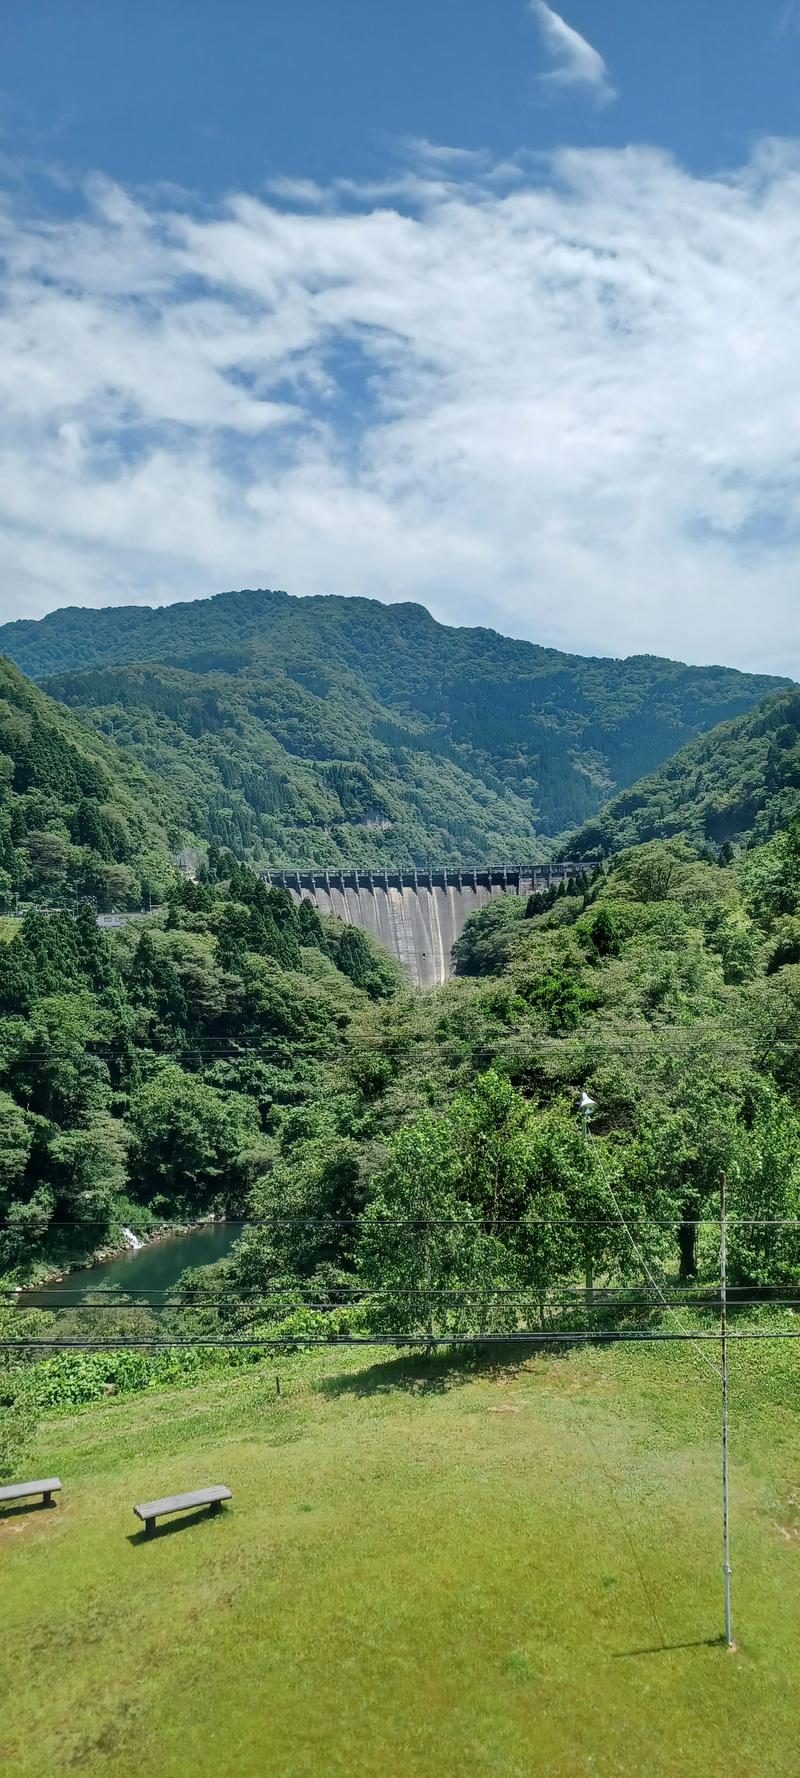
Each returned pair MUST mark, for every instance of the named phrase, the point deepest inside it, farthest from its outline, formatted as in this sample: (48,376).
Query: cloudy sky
(483,304)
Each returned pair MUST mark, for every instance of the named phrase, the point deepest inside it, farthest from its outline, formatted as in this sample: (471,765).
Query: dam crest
(416,914)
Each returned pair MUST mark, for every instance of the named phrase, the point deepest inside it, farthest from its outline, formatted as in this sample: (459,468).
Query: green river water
(154,1268)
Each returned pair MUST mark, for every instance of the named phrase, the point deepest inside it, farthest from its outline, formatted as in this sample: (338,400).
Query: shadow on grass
(434,1373)
(27,1506)
(186,1523)
(666,1648)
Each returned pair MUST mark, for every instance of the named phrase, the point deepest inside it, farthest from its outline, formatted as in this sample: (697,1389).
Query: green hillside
(286,775)
(76,817)
(328,730)
(740,782)
(141,1076)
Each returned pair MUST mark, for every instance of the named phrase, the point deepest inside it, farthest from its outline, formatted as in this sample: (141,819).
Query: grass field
(425,1571)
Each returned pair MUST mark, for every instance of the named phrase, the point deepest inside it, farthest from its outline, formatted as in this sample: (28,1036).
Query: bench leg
(149,1527)
(216,1506)
(47,1498)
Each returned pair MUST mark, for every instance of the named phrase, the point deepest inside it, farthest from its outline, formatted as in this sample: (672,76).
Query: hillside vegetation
(140,1078)
(670,990)
(740,783)
(77,818)
(327,730)
(239,1054)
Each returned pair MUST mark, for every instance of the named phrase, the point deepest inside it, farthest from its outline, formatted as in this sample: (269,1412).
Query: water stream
(154,1267)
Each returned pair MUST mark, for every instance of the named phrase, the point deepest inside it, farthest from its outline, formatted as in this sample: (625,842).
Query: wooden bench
(29,1490)
(151,1510)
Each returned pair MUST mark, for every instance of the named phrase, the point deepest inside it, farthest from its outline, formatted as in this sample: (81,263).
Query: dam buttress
(416,915)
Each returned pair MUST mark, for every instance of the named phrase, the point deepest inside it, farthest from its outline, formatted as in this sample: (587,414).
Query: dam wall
(416,915)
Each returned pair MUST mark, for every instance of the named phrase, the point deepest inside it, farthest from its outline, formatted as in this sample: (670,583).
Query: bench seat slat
(23,1490)
(175,1503)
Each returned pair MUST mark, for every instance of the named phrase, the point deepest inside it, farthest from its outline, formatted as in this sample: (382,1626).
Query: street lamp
(586,1107)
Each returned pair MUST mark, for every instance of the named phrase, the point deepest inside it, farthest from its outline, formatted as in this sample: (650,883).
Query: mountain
(328,730)
(76,817)
(739,782)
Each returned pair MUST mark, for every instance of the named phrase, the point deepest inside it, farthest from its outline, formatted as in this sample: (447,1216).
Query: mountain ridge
(738,783)
(322,730)
(167,616)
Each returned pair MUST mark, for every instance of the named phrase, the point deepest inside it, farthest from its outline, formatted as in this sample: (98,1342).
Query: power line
(544,1336)
(692,1293)
(637,1298)
(476,1224)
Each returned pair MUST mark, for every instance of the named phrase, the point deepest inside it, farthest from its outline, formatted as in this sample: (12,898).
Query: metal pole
(589,1269)
(723,1301)
(586,1109)
(429,1298)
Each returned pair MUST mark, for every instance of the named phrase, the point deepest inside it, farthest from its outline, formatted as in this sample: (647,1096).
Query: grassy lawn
(425,1571)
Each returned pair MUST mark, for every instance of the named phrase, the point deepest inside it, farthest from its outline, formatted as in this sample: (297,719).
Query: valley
(326,731)
(399,890)
(374,1076)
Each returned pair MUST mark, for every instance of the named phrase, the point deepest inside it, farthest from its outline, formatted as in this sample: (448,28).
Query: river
(154,1268)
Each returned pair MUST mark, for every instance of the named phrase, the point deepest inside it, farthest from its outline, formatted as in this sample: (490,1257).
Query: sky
(488,305)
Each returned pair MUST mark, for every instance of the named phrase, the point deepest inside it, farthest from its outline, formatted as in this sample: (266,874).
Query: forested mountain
(284,774)
(141,1074)
(77,819)
(327,730)
(740,782)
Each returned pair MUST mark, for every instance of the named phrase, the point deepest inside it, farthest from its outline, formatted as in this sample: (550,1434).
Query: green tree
(47,856)
(366,968)
(487,941)
(764,1198)
(687,1139)
(481,1215)
(190,1143)
(16,1142)
(155,986)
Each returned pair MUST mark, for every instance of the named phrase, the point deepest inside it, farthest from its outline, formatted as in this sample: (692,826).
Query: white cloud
(577,64)
(297,191)
(557,398)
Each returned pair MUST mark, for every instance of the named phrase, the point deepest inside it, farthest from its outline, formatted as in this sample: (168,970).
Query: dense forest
(328,730)
(237,1054)
(669,988)
(77,820)
(740,784)
(141,1076)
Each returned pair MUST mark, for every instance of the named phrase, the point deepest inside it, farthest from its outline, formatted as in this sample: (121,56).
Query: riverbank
(150,1270)
(115,1250)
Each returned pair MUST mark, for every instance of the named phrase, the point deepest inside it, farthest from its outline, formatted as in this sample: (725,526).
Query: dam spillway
(416,915)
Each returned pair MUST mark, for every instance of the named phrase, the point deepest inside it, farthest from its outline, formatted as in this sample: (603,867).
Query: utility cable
(477,1224)
(637,1298)
(542,1337)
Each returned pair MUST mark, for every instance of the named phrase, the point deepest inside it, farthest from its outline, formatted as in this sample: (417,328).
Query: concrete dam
(416,915)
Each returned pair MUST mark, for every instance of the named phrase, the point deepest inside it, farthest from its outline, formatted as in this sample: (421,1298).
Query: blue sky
(217,95)
(490,305)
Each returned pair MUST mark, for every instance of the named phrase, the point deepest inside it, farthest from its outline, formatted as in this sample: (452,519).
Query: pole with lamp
(723,1305)
(587,1107)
